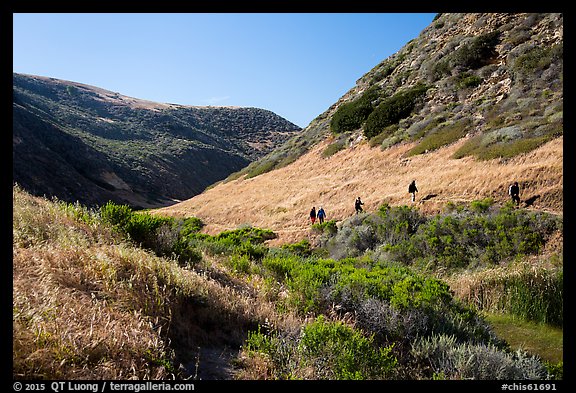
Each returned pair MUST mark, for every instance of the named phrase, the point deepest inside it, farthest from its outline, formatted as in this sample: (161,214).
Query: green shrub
(350,116)
(392,110)
(79,212)
(442,354)
(333,148)
(473,54)
(116,215)
(328,227)
(301,248)
(260,167)
(245,234)
(467,238)
(239,263)
(189,225)
(281,267)
(537,58)
(336,351)
(466,80)
(142,227)
(555,370)
(443,136)
(477,52)
(323,350)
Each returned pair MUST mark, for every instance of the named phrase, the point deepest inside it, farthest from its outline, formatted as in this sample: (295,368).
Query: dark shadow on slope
(429,196)
(530,201)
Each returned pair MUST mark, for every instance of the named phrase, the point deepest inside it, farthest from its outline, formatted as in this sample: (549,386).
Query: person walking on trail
(321,215)
(358,205)
(313,215)
(514,192)
(413,190)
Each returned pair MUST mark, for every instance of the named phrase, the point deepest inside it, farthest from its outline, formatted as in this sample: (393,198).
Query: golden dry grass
(88,306)
(280,200)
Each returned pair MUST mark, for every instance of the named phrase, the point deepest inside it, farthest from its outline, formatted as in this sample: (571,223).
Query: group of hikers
(320,214)
(513,191)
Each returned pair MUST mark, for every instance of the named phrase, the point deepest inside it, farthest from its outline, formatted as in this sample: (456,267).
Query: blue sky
(294,64)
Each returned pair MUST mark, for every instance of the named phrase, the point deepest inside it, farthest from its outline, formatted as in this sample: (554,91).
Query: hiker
(514,192)
(321,215)
(313,215)
(358,205)
(413,190)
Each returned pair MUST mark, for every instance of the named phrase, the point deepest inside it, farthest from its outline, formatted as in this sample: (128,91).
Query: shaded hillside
(79,142)
(472,104)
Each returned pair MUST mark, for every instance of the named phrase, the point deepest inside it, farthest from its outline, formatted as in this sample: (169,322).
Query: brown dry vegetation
(87,305)
(280,200)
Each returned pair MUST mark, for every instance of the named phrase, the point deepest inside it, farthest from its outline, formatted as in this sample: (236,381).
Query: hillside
(280,200)
(398,293)
(472,104)
(80,142)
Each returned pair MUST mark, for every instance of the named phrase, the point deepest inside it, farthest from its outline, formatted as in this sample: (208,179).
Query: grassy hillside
(79,142)
(117,294)
(472,104)
(89,304)
(236,283)
(280,200)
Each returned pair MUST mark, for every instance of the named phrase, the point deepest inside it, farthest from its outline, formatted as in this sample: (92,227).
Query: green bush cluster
(141,227)
(537,59)
(395,308)
(315,285)
(351,115)
(444,355)
(387,67)
(475,53)
(328,227)
(328,350)
(466,80)
(181,238)
(442,136)
(478,52)
(393,109)
(464,237)
(478,235)
(334,148)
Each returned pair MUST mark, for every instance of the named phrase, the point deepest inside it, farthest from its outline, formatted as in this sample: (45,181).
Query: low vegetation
(115,293)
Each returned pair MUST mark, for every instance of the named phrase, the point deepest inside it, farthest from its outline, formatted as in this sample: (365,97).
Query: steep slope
(472,104)
(280,200)
(80,142)
(497,77)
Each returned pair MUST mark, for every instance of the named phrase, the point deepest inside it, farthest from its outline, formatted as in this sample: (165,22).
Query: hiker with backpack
(413,190)
(358,205)
(313,215)
(321,215)
(514,192)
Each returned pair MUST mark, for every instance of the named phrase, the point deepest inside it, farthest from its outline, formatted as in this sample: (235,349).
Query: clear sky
(293,64)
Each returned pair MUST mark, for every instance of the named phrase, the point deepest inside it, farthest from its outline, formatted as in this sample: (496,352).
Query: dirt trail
(214,363)
(280,200)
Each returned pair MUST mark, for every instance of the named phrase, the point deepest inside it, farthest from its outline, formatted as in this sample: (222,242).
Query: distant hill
(470,105)
(82,143)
